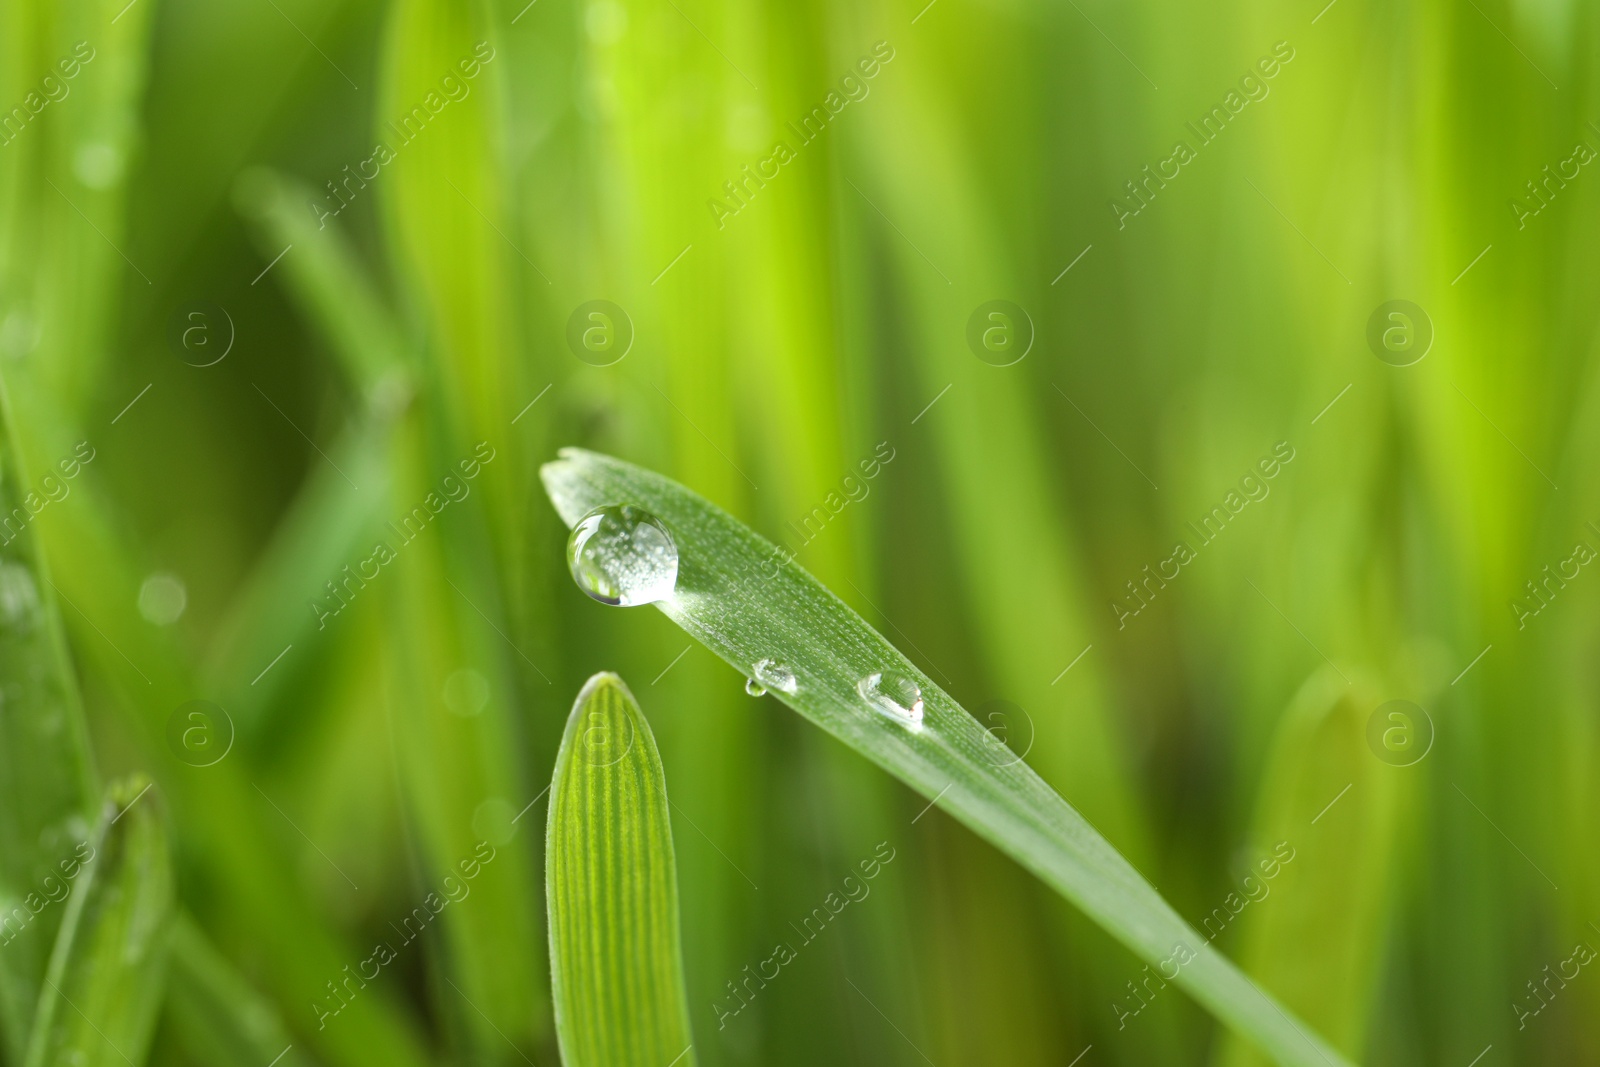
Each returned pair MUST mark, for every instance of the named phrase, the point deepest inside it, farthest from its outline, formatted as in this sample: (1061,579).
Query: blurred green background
(388,217)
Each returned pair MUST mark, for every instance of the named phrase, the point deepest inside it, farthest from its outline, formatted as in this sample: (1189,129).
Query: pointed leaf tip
(611,878)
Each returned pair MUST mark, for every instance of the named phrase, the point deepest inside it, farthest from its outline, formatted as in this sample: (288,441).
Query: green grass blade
(1318,944)
(615,959)
(731,599)
(327,528)
(106,975)
(63,220)
(330,286)
(46,795)
(439,611)
(329,525)
(237,839)
(218,1016)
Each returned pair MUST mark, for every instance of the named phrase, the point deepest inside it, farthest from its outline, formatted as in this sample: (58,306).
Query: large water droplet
(623,555)
(895,695)
(770,674)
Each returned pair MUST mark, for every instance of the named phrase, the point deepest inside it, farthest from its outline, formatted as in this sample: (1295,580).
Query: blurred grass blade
(615,960)
(323,530)
(46,780)
(1334,806)
(218,1016)
(104,985)
(732,599)
(441,648)
(442,211)
(237,837)
(329,284)
(445,216)
(329,524)
(63,189)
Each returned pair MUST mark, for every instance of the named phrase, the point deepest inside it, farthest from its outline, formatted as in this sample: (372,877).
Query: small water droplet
(895,695)
(392,394)
(466,692)
(99,165)
(754,688)
(19,334)
(606,22)
(774,675)
(19,597)
(163,598)
(495,820)
(623,556)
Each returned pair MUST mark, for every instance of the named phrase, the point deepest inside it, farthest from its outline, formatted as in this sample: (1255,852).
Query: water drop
(162,599)
(895,695)
(391,395)
(623,555)
(75,828)
(754,688)
(99,165)
(466,692)
(19,597)
(495,820)
(606,22)
(771,674)
(19,334)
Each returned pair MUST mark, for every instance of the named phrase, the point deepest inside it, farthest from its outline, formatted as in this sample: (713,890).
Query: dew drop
(495,820)
(19,597)
(163,598)
(19,334)
(754,688)
(606,22)
(466,692)
(895,695)
(623,556)
(76,828)
(99,165)
(770,674)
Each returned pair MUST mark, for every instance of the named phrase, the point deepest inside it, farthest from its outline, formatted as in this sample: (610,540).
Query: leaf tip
(603,683)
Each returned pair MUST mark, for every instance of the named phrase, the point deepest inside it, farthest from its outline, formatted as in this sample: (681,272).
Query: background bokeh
(782,331)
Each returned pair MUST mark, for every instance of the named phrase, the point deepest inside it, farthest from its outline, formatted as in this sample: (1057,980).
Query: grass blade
(329,285)
(239,838)
(218,1015)
(442,209)
(615,959)
(732,599)
(325,529)
(1337,809)
(46,791)
(104,985)
(441,632)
